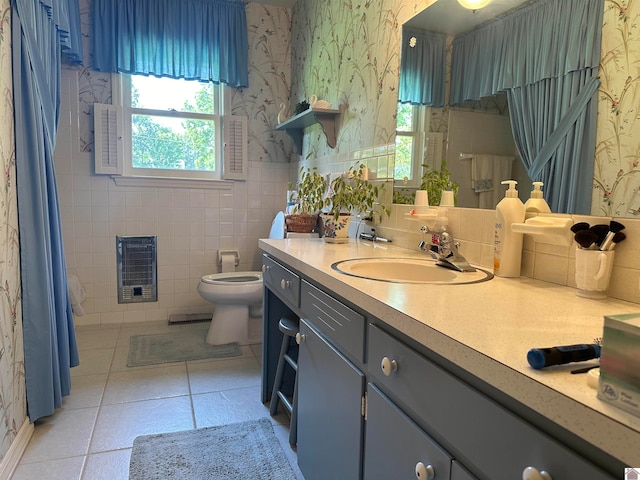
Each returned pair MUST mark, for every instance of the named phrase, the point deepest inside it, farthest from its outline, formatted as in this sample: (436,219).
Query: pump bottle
(507,257)
(536,203)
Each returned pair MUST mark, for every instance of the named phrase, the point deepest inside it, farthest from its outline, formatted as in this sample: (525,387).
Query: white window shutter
(109,143)
(235,148)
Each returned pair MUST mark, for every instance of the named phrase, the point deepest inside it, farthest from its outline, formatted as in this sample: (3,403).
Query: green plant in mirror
(436,181)
(353,193)
(312,188)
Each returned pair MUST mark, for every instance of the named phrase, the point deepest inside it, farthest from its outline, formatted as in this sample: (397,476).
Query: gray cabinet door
(395,447)
(330,390)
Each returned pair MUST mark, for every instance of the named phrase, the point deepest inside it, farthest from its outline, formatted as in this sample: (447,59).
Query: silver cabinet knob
(532,473)
(265,268)
(284,284)
(424,472)
(299,338)
(388,366)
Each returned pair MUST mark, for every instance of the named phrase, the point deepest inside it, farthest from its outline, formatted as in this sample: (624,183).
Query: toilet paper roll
(228,261)
(422,201)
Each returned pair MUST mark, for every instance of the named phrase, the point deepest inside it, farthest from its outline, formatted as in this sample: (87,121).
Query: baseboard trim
(17,448)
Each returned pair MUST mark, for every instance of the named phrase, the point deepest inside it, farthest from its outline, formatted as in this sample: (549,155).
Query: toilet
(237,297)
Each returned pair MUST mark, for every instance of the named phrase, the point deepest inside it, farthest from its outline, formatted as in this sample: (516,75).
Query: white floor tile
(118,425)
(90,437)
(86,391)
(213,376)
(93,362)
(100,338)
(229,406)
(169,380)
(65,434)
(61,469)
(107,466)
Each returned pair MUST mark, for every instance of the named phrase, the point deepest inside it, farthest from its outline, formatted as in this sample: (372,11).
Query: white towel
(482,177)
(77,294)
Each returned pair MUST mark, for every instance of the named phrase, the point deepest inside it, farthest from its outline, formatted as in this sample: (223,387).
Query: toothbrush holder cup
(593,271)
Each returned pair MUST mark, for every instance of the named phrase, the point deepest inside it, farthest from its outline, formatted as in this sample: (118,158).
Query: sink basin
(408,270)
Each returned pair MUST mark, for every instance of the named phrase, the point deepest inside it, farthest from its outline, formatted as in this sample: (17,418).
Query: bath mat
(240,450)
(176,347)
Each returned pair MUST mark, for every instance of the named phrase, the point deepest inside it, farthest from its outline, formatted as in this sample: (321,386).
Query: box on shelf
(619,382)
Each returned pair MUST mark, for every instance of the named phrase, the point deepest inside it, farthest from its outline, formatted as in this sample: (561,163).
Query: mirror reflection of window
(410,133)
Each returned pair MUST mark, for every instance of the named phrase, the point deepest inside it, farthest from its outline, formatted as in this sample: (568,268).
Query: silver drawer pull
(265,268)
(284,284)
(388,366)
(424,472)
(531,473)
(299,338)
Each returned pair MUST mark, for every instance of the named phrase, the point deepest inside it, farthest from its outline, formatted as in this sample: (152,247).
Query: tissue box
(619,382)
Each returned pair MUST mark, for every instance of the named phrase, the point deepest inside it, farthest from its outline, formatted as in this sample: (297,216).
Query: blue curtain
(422,68)
(41,30)
(545,55)
(191,39)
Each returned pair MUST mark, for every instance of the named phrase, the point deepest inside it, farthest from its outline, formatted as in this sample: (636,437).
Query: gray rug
(237,451)
(176,347)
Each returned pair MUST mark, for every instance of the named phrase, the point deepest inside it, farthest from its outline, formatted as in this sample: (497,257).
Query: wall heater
(137,269)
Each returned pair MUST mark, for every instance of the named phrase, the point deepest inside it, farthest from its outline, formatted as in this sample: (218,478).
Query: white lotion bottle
(536,203)
(507,257)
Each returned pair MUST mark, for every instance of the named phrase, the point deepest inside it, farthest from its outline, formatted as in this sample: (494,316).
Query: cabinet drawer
(281,281)
(395,447)
(489,440)
(335,320)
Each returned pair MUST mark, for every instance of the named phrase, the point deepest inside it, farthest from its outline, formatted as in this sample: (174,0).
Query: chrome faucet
(444,249)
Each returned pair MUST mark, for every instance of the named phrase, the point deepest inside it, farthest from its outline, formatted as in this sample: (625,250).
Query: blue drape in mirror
(422,68)
(191,39)
(545,55)
(40,31)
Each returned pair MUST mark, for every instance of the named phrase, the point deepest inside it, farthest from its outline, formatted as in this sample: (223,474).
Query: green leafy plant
(436,181)
(353,193)
(312,188)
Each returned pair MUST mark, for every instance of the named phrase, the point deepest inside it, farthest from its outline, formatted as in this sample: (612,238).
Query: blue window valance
(422,68)
(541,40)
(192,39)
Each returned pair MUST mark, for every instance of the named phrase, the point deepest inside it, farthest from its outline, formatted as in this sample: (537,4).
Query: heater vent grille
(137,269)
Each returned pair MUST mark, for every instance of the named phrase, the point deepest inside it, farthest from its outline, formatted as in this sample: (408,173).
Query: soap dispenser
(537,203)
(507,257)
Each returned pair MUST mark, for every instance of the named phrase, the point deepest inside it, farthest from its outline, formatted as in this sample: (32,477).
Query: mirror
(454,126)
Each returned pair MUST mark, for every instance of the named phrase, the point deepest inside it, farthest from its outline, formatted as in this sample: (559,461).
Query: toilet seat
(234,278)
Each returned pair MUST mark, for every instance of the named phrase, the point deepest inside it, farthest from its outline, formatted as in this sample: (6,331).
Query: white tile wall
(191,225)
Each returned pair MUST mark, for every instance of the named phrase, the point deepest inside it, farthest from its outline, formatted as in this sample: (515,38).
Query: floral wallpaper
(12,386)
(616,183)
(346,51)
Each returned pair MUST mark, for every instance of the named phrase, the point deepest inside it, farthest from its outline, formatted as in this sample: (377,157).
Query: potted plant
(436,181)
(350,193)
(310,199)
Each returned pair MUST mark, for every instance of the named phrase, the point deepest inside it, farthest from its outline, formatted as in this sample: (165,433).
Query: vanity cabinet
(486,438)
(330,423)
(373,404)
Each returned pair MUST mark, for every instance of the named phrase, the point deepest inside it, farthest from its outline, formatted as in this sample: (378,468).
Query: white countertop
(487,329)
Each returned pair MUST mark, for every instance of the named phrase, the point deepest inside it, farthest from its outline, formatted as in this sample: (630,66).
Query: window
(415,145)
(168,128)
(173,125)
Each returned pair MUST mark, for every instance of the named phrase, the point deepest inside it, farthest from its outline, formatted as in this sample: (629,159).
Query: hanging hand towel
(482,173)
(77,294)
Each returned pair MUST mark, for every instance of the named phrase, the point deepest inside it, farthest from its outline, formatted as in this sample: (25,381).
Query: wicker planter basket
(301,222)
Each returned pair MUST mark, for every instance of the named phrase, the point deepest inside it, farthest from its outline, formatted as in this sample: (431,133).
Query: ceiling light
(474,4)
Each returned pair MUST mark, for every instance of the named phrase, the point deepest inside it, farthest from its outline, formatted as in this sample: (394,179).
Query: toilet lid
(277,226)
(236,277)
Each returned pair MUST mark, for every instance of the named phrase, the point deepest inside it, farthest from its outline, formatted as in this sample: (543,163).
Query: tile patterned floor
(90,437)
